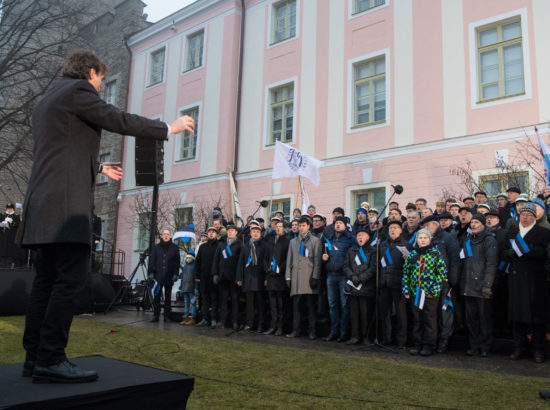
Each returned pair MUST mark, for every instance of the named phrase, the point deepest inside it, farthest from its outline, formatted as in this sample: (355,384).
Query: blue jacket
(188,277)
(337,247)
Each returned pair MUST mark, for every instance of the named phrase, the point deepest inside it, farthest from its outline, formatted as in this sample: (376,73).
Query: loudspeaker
(149,162)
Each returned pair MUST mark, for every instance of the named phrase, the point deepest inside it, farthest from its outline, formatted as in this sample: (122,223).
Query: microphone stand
(376,341)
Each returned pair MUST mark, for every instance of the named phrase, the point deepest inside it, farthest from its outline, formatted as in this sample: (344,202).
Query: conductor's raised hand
(112,171)
(183,123)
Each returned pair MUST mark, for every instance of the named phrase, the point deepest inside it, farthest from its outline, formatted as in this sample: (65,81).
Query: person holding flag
(528,252)
(424,272)
(479,266)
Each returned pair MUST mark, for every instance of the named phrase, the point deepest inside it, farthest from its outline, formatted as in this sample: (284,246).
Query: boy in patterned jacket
(423,273)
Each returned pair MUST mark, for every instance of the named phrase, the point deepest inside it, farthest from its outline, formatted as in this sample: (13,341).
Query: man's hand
(112,171)
(239,283)
(325,257)
(183,123)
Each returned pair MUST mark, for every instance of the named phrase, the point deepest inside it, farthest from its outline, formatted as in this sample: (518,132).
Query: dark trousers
(229,293)
(446,319)
(61,271)
(425,323)
(361,313)
(393,299)
(519,332)
(277,308)
(255,303)
(209,300)
(167,301)
(479,320)
(297,302)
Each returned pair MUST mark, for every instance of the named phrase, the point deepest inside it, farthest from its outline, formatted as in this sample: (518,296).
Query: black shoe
(235,326)
(472,352)
(414,351)
(155,319)
(484,354)
(279,332)
(353,341)
(293,334)
(214,324)
(366,342)
(248,328)
(442,347)
(269,331)
(202,323)
(342,339)
(330,337)
(426,351)
(312,335)
(28,368)
(64,372)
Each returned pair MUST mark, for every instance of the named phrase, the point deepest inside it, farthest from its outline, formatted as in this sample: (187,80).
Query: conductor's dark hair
(79,63)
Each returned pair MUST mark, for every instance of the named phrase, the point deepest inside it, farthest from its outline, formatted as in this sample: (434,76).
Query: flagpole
(298,193)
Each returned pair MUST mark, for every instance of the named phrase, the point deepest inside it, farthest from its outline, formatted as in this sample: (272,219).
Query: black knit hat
(480,218)
(445,215)
(429,218)
(394,222)
(341,219)
(339,209)
(304,219)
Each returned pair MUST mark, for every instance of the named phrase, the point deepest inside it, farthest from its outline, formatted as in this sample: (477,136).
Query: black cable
(263,388)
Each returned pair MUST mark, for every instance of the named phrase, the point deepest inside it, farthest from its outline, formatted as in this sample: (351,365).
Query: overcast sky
(158,9)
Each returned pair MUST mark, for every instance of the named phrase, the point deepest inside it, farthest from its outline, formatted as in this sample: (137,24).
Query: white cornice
(192,11)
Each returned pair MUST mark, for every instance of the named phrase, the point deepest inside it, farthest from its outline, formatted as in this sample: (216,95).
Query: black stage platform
(121,385)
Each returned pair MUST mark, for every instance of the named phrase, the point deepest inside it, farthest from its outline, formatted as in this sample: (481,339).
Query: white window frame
(183,206)
(149,62)
(351,91)
(351,9)
(267,111)
(109,81)
(186,37)
(495,171)
(267,211)
(271,16)
(100,245)
(474,63)
(137,232)
(350,190)
(178,139)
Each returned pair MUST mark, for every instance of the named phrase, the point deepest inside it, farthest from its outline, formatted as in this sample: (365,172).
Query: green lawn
(233,374)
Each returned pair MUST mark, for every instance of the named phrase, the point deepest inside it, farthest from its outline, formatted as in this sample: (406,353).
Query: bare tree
(35,36)
(511,172)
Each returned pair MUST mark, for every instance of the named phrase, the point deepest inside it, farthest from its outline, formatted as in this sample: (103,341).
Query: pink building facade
(383,91)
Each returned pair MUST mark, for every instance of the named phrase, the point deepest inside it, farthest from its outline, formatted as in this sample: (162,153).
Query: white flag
(235,206)
(383,262)
(305,197)
(289,162)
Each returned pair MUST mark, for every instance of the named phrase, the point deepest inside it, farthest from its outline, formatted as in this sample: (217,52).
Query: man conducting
(57,217)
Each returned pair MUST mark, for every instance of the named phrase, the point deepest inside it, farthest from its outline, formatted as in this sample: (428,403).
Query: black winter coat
(478,271)
(278,250)
(164,264)
(527,286)
(252,275)
(450,251)
(203,265)
(365,272)
(67,124)
(225,262)
(392,274)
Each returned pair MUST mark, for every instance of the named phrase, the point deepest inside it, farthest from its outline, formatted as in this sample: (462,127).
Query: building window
(284,20)
(188,141)
(362,5)
(100,241)
(375,197)
(183,217)
(281,114)
(144,226)
(156,67)
(497,183)
(282,205)
(369,87)
(195,43)
(110,92)
(103,179)
(500,60)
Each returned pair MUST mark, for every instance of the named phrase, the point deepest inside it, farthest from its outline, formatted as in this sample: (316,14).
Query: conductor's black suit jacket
(67,124)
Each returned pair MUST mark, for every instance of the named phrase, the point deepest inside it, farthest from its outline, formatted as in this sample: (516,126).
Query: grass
(229,373)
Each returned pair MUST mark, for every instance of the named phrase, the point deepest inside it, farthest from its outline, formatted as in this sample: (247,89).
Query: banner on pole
(290,162)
